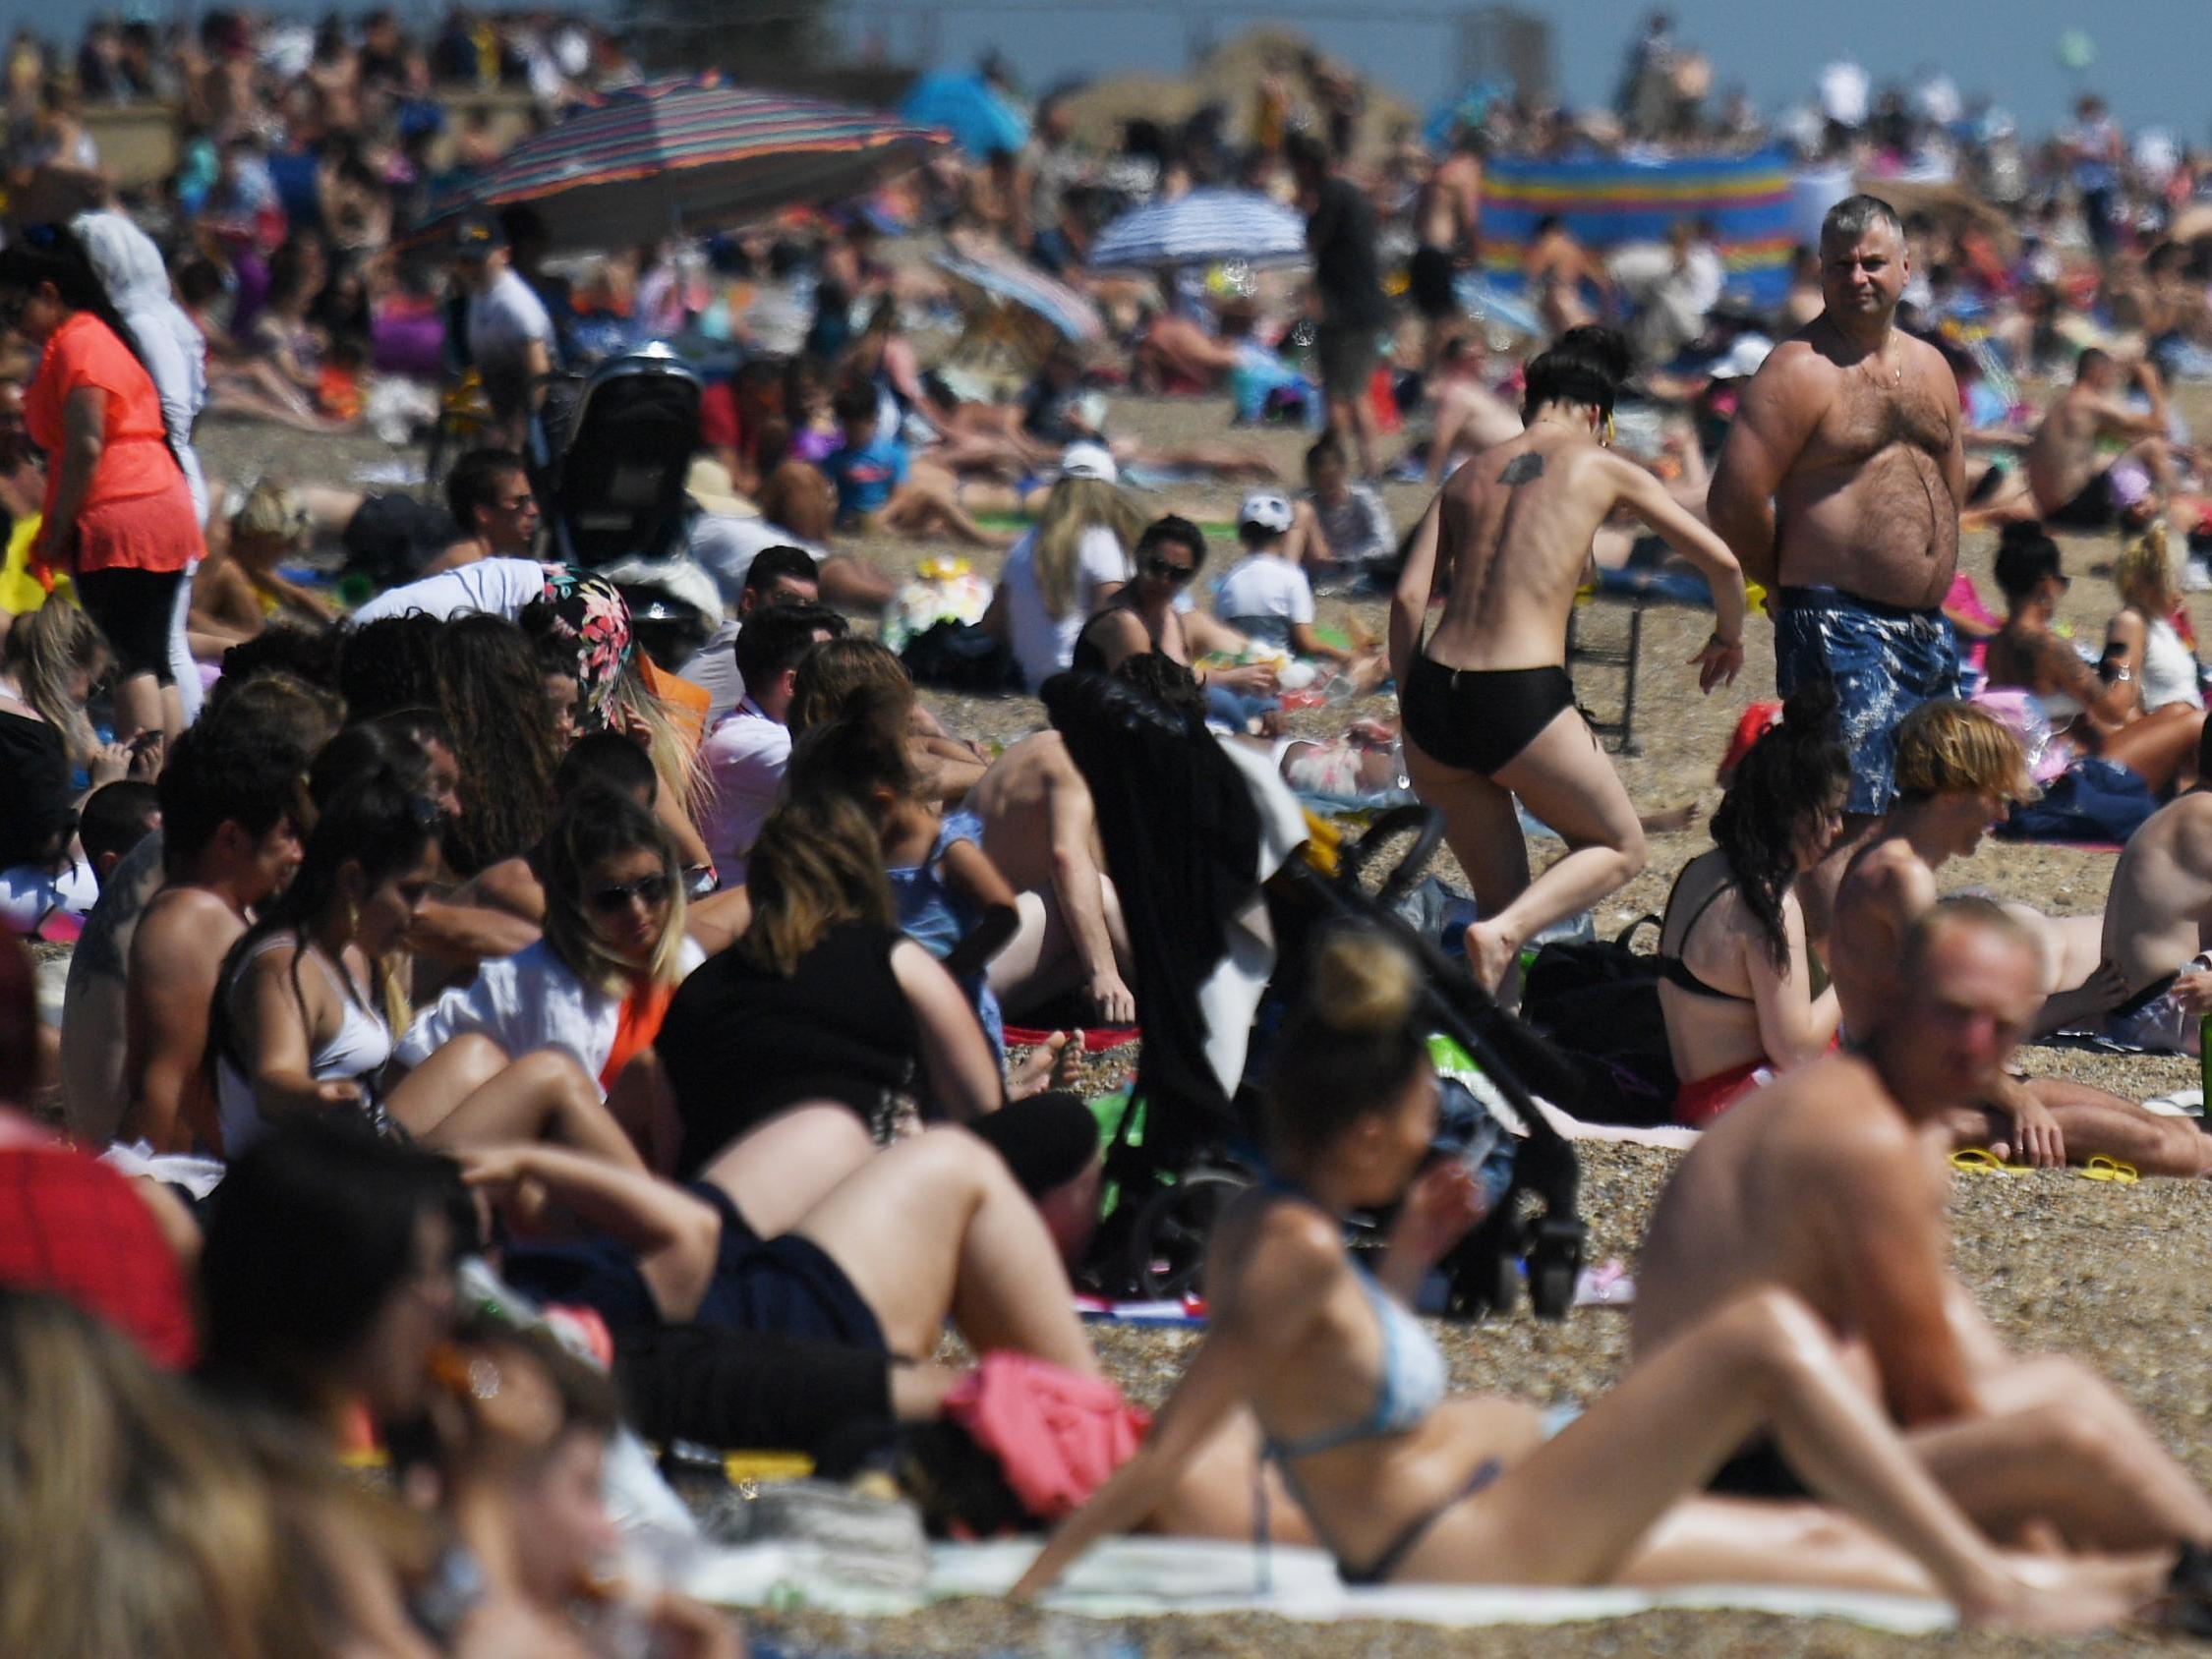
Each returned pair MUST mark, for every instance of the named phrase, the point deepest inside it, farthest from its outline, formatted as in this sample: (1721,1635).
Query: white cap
(1089,460)
(1741,361)
(1265,508)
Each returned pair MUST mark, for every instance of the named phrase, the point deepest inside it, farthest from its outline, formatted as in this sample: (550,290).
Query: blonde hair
(839,673)
(273,511)
(1353,1042)
(815,864)
(2143,562)
(42,651)
(600,823)
(1077,506)
(132,1518)
(675,751)
(1955,748)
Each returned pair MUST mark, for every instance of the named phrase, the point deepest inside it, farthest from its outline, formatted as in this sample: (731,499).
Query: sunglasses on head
(652,890)
(1154,565)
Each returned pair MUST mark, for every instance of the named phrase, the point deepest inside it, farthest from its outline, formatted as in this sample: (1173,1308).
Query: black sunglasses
(424,811)
(652,890)
(1176,573)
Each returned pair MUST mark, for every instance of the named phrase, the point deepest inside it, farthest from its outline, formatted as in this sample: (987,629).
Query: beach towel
(1149,1578)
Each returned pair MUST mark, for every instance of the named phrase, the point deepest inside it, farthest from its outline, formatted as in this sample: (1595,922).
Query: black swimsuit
(1673,969)
(1480,718)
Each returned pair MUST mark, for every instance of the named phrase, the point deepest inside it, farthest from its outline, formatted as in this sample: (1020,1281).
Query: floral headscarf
(588,615)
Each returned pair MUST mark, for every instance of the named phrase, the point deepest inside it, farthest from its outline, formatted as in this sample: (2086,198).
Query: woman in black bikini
(1141,617)
(1405,1483)
(1735,987)
(1489,713)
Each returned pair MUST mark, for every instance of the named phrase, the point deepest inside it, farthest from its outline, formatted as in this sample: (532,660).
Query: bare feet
(1670,821)
(2066,1595)
(1051,1065)
(1491,954)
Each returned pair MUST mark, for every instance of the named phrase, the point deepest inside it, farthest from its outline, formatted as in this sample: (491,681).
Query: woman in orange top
(117,512)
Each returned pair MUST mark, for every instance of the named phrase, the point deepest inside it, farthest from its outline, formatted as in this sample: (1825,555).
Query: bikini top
(1089,655)
(1674,970)
(1412,1385)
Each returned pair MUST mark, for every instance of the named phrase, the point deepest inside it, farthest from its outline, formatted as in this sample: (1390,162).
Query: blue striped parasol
(1006,280)
(1201,228)
(641,166)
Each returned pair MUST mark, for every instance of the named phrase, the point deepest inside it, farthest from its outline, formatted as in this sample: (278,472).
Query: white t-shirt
(498,586)
(1044,644)
(726,547)
(525,1003)
(746,756)
(713,668)
(1264,596)
(504,320)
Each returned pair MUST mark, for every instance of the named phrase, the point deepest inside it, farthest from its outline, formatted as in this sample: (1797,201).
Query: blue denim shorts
(1886,662)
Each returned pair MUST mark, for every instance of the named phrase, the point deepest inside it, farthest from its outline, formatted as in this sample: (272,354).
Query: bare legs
(2160,748)
(777,1171)
(1566,781)
(2097,1124)
(935,1224)
(1580,1508)
(470,1094)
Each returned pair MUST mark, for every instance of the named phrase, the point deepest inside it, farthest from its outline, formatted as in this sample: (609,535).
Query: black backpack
(961,656)
(1598,1000)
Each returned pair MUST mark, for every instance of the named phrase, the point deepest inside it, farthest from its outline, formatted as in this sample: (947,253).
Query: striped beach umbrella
(999,279)
(1200,228)
(641,166)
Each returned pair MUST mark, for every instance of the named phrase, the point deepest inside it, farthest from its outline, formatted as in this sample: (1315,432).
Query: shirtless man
(2158,923)
(1489,709)
(2072,485)
(1839,488)
(1465,417)
(1040,828)
(228,843)
(1447,209)
(1554,269)
(1831,1183)
(1958,771)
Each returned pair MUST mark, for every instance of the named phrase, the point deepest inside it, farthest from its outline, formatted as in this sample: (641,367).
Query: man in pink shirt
(749,749)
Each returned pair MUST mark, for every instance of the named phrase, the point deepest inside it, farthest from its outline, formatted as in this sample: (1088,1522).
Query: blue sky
(2152,56)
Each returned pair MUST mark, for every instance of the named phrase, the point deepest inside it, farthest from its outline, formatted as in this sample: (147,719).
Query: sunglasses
(1176,573)
(421,808)
(651,891)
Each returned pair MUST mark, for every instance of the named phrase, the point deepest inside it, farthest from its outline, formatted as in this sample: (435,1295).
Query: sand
(2114,1276)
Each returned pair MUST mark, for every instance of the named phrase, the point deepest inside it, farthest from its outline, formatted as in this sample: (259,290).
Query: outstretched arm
(1647,497)
(1250,1335)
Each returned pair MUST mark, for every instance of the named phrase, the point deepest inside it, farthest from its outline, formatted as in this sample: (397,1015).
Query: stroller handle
(1353,861)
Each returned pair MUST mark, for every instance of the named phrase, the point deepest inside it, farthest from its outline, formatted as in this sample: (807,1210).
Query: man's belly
(1893,549)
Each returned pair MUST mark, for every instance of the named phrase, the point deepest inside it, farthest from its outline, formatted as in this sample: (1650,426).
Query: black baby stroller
(1224,882)
(612,473)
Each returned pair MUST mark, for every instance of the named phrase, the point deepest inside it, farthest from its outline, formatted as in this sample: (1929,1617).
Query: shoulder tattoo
(1522,468)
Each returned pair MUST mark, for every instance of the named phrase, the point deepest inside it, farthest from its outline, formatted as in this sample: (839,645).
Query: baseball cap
(1265,508)
(1741,360)
(477,235)
(1089,460)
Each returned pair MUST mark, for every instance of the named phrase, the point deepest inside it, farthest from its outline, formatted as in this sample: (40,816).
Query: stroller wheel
(1168,1242)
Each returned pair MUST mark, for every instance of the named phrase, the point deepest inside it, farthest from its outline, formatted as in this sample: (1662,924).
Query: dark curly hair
(1798,769)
